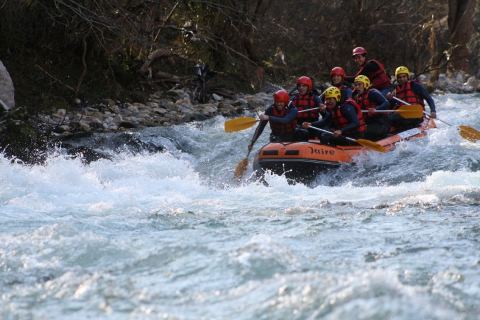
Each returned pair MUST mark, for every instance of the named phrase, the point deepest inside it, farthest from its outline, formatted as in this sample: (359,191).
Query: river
(170,235)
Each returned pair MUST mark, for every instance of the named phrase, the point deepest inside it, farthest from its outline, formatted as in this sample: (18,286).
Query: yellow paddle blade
(469,133)
(410,112)
(371,145)
(241,168)
(238,124)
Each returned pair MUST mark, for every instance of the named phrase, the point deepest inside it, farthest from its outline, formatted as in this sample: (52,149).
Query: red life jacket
(379,78)
(365,104)
(303,102)
(363,101)
(340,121)
(282,129)
(406,93)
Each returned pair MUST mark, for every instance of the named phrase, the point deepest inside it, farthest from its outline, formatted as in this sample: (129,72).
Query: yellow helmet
(333,92)
(363,79)
(401,70)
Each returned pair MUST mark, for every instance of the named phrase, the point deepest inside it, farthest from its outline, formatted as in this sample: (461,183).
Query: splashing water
(172,235)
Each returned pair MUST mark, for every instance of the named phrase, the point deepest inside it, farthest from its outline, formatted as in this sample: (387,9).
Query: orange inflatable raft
(307,159)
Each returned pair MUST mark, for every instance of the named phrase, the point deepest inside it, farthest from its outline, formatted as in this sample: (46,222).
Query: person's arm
(319,104)
(259,129)
(324,122)
(289,117)
(423,93)
(351,79)
(350,114)
(369,68)
(393,102)
(258,132)
(381,103)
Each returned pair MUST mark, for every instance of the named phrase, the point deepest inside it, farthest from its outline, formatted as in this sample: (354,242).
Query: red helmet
(305,81)
(281,96)
(337,71)
(359,50)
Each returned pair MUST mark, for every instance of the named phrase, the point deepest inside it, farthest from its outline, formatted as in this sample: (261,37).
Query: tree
(460,25)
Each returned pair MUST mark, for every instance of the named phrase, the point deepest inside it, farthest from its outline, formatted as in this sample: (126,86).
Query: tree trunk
(460,25)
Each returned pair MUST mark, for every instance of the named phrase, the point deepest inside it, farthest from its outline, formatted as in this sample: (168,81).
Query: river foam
(172,235)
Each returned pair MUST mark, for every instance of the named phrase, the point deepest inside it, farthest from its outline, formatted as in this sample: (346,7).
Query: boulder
(95,123)
(258,101)
(84,126)
(442,81)
(472,84)
(159,110)
(217,97)
(7,97)
(176,94)
(208,108)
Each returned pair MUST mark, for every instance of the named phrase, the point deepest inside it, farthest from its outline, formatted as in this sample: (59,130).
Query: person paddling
(282,118)
(371,100)
(345,119)
(411,92)
(373,69)
(306,99)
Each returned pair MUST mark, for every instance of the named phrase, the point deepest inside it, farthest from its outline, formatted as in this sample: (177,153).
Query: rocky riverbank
(175,106)
(26,137)
(162,109)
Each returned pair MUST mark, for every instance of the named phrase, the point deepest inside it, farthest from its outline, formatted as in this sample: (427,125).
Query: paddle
(408,112)
(239,124)
(241,167)
(468,133)
(363,142)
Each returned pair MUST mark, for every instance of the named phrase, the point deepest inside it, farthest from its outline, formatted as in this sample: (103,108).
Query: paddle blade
(469,133)
(238,124)
(241,168)
(371,145)
(410,112)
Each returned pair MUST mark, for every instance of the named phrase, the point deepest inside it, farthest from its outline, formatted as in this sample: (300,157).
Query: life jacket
(379,79)
(405,93)
(365,104)
(282,129)
(303,102)
(363,101)
(340,121)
